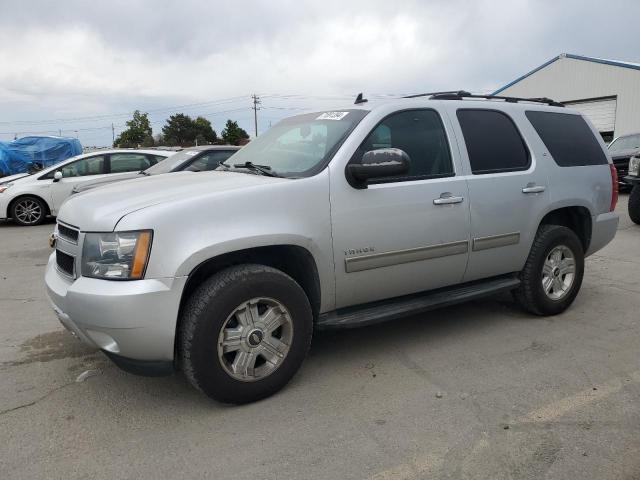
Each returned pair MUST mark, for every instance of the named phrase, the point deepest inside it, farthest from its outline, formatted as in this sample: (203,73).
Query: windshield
(629,142)
(169,163)
(300,146)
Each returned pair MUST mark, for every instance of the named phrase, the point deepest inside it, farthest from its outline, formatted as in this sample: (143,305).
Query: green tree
(232,133)
(138,130)
(204,131)
(182,130)
(179,130)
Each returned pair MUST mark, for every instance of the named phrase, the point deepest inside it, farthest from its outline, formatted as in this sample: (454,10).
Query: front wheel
(244,333)
(634,204)
(28,211)
(552,275)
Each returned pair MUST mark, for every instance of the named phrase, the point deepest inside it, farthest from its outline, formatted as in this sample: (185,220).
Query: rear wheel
(553,273)
(28,211)
(634,204)
(245,333)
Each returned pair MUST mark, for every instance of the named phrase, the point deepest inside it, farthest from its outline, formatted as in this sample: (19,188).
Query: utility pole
(256,102)
(113,134)
(60,132)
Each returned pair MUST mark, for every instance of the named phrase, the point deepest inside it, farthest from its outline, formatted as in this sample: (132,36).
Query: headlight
(634,167)
(116,255)
(4,186)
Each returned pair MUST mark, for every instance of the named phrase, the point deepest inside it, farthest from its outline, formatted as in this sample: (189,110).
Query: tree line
(180,130)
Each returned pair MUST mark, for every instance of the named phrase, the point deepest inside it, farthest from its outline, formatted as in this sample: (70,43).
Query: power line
(220,101)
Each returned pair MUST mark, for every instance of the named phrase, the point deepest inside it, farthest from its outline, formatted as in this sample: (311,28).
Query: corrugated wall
(569,79)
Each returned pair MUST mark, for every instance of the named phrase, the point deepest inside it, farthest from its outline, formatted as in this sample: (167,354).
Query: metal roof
(615,63)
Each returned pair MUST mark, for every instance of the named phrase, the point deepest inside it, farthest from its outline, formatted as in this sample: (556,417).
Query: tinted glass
(84,167)
(129,162)
(209,160)
(493,142)
(629,142)
(421,135)
(568,138)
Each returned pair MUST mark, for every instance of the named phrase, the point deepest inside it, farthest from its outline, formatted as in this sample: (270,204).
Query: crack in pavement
(37,400)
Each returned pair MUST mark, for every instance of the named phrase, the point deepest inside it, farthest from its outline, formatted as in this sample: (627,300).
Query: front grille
(65,263)
(67,233)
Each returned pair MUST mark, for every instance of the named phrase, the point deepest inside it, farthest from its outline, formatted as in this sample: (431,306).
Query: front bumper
(133,322)
(604,228)
(631,180)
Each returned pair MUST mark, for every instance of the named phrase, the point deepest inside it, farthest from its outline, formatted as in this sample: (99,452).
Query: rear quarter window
(568,138)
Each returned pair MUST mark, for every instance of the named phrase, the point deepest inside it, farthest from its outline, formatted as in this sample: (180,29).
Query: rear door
(507,188)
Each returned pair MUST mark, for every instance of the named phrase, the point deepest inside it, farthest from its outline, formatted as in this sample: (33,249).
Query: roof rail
(459,95)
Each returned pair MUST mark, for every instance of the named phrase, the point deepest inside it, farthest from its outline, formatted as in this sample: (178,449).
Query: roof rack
(461,94)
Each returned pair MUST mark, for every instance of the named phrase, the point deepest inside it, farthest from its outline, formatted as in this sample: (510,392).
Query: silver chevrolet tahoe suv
(338,218)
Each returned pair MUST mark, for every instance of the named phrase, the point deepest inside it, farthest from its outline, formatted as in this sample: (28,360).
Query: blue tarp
(20,155)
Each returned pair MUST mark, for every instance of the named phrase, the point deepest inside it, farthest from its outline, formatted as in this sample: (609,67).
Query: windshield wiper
(142,172)
(262,169)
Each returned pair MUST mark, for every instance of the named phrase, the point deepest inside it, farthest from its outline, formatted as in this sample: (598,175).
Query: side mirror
(57,176)
(385,162)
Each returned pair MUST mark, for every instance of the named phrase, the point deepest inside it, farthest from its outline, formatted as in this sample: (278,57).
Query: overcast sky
(60,61)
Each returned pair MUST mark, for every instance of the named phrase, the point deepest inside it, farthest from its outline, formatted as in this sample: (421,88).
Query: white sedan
(29,198)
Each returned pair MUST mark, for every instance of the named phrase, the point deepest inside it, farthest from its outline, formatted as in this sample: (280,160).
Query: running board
(376,312)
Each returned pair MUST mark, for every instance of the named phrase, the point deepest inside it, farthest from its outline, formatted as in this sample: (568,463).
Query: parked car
(194,159)
(633,179)
(28,199)
(622,149)
(333,219)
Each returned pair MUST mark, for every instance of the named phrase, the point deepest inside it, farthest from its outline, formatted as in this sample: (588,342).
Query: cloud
(100,58)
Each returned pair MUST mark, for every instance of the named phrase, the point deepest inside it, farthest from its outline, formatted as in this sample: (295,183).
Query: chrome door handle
(533,189)
(447,199)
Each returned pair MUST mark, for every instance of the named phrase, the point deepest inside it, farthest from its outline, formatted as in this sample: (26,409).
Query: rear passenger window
(129,162)
(568,138)
(421,135)
(493,142)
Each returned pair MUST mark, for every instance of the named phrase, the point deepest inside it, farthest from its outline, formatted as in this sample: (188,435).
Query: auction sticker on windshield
(332,116)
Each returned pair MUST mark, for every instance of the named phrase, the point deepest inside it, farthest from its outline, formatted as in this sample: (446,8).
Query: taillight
(614,187)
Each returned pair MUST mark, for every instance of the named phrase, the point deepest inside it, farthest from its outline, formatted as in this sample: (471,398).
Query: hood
(100,209)
(622,154)
(82,187)
(11,178)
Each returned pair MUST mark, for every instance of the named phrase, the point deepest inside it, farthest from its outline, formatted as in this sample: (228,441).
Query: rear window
(493,142)
(568,138)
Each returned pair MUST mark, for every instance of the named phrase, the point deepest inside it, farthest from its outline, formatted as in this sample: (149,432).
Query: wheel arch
(24,195)
(575,217)
(294,260)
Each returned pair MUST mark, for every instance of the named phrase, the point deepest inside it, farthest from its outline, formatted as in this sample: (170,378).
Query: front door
(405,234)
(82,170)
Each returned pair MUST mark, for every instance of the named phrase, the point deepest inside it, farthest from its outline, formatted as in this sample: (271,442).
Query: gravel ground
(480,391)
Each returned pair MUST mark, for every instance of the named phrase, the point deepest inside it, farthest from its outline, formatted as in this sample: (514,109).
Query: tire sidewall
(556,237)
(210,375)
(634,204)
(33,199)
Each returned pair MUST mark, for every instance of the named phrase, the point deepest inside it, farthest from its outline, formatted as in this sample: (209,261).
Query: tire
(634,204)
(214,315)
(28,211)
(552,242)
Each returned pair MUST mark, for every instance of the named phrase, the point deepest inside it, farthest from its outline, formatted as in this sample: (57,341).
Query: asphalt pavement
(479,391)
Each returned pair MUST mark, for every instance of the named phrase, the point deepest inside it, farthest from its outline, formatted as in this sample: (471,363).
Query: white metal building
(606,91)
